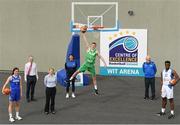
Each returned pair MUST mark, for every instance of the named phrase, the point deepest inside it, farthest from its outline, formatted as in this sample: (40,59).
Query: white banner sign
(124,52)
(79,80)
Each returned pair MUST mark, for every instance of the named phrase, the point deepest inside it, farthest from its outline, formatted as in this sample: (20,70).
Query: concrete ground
(120,102)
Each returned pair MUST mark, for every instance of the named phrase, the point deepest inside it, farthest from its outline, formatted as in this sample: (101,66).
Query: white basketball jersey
(167,76)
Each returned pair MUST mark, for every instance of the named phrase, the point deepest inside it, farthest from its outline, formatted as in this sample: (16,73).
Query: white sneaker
(73,95)
(71,79)
(18,118)
(67,95)
(11,119)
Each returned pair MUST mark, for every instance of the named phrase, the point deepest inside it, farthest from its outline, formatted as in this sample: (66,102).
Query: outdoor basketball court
(125,33)
(120,102)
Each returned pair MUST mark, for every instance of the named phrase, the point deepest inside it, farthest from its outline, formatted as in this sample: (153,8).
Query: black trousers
(31,82)
(68,82)
(50,97)
(68,85)
(149,82)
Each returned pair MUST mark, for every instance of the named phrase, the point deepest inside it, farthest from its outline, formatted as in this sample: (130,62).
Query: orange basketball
(173,82)
(7,91)
(83,29)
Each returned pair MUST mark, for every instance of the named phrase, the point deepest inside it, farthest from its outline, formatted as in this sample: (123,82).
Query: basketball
(7,91)
(83,29)
(173,82)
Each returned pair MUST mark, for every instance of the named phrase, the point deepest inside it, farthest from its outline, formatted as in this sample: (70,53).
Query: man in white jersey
(167,86)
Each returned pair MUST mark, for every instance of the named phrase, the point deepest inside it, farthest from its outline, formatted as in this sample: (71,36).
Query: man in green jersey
(90,60)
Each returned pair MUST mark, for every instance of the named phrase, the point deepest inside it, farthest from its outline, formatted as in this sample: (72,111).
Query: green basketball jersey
(91,56)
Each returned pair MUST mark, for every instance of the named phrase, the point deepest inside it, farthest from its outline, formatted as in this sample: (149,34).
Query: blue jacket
(149,69)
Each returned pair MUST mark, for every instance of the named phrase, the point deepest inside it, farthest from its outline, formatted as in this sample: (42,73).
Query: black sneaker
(152,98)
(28,100)
(146,97)
(171,116)
(33,99)
(161,114)
(96,92)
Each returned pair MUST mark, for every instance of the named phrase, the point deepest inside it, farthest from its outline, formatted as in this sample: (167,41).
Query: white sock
(172,112)
(95,87)
(17,113)
(163,110)
(10,115)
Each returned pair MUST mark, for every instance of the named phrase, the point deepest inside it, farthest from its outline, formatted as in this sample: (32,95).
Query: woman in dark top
(70,67)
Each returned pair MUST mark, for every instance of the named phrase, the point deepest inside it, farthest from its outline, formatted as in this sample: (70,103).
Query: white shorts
(167,92)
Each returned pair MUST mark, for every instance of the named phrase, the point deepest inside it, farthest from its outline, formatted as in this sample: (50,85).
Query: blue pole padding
(73,49)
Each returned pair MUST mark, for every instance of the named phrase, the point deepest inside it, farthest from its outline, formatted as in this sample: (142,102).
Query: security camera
(131,13)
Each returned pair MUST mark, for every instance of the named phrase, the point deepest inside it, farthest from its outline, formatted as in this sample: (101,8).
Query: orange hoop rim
(97,27)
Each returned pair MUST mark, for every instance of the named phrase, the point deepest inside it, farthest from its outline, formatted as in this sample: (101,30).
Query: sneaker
(46,113)
(18,118)
(53,112)
(73,95)
(67,95)
(146,97)
(33,99)
(71,79)
(96,92)
(11,119)
(171,116)
(152,98)
(28,100)
(161,113)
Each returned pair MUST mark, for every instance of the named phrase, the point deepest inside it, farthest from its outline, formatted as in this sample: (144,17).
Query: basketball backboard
(101,14)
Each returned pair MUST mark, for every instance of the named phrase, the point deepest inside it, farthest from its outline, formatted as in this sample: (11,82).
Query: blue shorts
(14,95)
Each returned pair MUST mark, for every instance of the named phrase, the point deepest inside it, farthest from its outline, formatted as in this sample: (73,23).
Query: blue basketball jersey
(15,82)
(15,88)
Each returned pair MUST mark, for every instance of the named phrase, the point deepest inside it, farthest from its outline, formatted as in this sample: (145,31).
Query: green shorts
(88,67)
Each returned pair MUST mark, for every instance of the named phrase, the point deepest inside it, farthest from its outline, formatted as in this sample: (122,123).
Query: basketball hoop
(97,27)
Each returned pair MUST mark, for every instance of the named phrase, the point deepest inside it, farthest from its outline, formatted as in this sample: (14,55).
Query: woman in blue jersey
(15,82)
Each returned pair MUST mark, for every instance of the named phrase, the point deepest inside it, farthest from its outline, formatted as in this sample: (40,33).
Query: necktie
(29,70)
